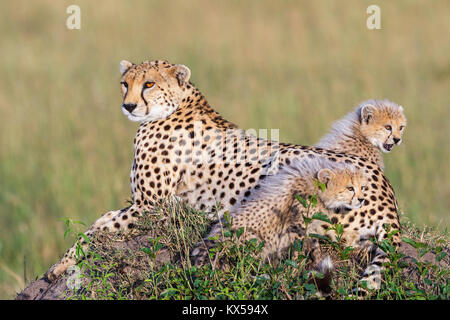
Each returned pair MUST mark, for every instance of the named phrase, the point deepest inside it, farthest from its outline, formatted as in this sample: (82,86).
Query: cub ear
(124,66)
(400,108)
(181,72)
(367,112)
(325,176)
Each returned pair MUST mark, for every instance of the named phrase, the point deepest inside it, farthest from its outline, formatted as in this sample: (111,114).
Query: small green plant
(69,229)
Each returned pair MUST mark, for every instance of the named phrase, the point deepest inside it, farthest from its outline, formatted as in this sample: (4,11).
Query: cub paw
(200,255)
(360,293)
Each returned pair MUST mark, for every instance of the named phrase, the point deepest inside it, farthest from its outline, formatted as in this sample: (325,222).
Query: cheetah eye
(401,128)
(149,84)
(364,188)
(350,189)
(124,84)
(388,127)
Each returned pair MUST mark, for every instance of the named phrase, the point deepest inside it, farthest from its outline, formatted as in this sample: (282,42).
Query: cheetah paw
(359,293)
(58,269)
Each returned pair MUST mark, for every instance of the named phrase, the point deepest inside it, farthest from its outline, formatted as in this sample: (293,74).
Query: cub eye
(364,188)
(350,189)
(149,84)
(388,127)
(401,128)
(124,84)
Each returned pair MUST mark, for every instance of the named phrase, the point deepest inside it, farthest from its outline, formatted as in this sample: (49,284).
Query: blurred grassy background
(66,148)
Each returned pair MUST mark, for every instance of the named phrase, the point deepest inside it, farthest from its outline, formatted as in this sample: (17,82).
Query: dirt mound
(43,289)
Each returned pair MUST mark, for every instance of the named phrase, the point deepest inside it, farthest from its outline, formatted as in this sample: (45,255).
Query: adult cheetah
(184,148)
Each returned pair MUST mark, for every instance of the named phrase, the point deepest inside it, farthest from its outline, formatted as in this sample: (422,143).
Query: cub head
(382,123)
(344,188)
(152,90)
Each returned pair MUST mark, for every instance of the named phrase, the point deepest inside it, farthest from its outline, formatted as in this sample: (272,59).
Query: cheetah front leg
(114,221)
(373,273)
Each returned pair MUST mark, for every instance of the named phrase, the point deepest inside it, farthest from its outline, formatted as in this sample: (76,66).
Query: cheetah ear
(400,108)
(124,66)
(325,175)
(182,73)
(367,111)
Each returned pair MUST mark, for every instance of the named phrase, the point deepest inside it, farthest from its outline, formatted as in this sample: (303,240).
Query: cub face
(152,90)
(383,125)
(344,188)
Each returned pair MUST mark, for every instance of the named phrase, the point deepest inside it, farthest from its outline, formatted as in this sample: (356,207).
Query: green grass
(112,272)
(66,148)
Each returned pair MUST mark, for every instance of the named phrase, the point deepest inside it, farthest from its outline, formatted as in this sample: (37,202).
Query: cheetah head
(152,90)
(344,188)
(382,123)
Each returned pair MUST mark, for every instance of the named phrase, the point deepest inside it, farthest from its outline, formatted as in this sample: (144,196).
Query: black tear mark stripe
(142,96)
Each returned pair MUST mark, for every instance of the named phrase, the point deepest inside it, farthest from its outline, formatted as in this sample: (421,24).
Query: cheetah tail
(326,268)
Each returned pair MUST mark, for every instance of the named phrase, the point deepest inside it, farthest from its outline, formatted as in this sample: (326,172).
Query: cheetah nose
(360,199)
(396,140)
(129,107)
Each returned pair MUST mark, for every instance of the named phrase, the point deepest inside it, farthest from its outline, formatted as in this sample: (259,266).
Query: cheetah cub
(374,127)
(275,215)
